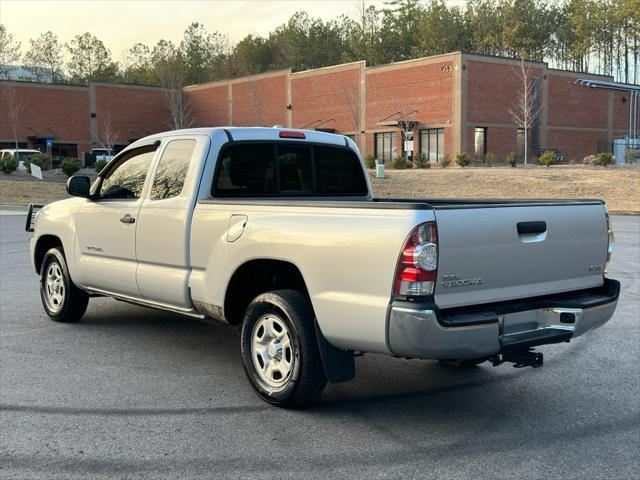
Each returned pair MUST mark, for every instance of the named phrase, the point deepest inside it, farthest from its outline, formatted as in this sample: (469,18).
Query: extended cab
(277,231)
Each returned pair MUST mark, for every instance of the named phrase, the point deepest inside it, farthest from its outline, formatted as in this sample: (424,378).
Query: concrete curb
(13,209)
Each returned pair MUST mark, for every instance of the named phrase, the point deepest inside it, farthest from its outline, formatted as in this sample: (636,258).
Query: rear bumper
(423,331)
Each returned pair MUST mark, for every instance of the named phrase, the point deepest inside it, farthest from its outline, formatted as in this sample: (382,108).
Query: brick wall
(208,104)
(327,97)
(135,112)
(424,85)
(260,101)
(61,109)
(455,92)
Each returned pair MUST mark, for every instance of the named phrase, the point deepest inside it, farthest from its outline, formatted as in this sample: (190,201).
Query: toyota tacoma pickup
(276,231)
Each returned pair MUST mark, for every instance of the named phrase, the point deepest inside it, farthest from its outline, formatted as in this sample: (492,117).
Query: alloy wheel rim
(54,288)
(272,351)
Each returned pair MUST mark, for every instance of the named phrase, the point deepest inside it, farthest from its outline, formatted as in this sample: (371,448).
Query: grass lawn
(619,187)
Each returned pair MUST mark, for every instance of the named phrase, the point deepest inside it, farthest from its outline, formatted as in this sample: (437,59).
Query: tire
(61,299)
(280,350)
(467,363)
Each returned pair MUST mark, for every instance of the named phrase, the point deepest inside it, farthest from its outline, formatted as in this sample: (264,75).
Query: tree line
(594,36)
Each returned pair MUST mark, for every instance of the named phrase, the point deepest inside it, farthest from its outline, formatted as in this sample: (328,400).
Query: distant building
(440,105)
(24,74)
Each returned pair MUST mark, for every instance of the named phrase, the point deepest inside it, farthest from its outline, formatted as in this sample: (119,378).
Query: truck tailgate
(492,253)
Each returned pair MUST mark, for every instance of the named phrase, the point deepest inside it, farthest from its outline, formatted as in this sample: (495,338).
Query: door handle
(128,219)
(531,228)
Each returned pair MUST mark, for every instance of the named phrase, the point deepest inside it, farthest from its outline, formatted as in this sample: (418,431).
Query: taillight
(611,241)
(418,262)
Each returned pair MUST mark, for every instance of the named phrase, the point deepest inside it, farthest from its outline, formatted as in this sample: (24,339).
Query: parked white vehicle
(21,154)
(277,231)
(102,154)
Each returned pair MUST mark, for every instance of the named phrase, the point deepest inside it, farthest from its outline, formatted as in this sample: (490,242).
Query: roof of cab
(249,133)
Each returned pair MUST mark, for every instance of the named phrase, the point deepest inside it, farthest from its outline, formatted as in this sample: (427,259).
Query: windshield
(25,155)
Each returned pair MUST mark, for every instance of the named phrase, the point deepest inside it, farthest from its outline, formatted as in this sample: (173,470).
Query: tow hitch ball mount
(519,358)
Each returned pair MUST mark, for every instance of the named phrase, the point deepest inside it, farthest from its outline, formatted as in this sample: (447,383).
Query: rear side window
(172,169)
(284,169)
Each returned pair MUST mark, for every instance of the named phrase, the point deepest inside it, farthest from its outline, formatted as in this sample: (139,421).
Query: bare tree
(9,52)
(170,68)
(353,102)
(172,81)
(407,126)
(180,115)
(15,105)
(526,107)
(109,136)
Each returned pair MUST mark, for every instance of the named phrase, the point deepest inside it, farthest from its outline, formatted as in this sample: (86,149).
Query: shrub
(463,159)
(100,164)
(629,156)
(70,165)
(590,160)
(8,164)
(512,159)
(572,161)
(421,161)
(605,158)
(40,159)
(369,162)
(399,163)
(445,161)
(489,158)
(547,159)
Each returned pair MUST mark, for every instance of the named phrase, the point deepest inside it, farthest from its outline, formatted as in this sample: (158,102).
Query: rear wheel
(61,299)
(280,351)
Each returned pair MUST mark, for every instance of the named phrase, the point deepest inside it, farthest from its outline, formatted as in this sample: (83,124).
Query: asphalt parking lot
(135,393)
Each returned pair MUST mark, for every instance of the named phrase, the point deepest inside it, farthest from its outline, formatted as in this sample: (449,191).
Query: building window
(520,142)
(386,146)
(432,143)
(480,141)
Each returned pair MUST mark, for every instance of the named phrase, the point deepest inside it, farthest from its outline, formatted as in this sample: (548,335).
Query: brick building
(446,104)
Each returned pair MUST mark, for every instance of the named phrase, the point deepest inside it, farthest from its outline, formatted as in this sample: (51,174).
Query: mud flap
(339,365)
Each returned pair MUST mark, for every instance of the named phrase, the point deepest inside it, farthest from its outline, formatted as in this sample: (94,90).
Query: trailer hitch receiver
(519,358)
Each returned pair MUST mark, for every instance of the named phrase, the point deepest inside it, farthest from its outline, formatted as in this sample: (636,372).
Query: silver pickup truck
(277,231)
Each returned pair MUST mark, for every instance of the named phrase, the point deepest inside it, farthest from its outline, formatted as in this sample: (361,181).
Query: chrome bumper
(419,333)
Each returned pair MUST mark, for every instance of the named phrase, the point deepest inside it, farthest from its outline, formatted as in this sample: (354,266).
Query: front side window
(386,146)
(273,169)
(480,141)
(127,179)
(432,143)
(172,169)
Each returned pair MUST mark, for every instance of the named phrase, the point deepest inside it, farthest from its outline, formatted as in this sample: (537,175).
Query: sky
(122,23)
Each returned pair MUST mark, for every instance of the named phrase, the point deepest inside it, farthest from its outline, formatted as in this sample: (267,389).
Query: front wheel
(280,351)
(61,299)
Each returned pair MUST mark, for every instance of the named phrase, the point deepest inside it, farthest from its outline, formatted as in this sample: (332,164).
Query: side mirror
(79,186)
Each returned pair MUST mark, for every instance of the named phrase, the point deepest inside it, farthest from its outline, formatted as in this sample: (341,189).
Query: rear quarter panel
(347,257)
